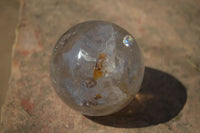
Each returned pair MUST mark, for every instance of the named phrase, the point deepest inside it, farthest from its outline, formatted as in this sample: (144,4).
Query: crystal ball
(96,68)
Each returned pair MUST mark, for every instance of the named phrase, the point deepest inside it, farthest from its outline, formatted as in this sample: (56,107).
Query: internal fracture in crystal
(96,68)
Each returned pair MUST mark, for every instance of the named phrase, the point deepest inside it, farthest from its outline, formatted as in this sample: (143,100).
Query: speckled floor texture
(168,32)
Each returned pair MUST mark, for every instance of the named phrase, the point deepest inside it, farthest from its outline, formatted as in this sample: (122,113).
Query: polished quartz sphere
(96,68)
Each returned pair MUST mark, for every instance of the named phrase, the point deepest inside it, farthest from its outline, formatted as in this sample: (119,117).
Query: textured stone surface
(97,68)
(168,33)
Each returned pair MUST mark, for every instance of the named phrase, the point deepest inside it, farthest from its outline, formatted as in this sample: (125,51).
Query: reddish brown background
(168,32)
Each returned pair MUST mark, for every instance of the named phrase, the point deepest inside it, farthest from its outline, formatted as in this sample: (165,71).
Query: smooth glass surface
(96,68)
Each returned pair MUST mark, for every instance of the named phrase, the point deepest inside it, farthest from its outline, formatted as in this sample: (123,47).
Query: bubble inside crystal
(96,68)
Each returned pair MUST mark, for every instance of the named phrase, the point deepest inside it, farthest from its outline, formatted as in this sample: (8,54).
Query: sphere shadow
(160,98)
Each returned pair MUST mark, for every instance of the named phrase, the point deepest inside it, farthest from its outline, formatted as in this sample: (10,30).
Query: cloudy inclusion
(97,68)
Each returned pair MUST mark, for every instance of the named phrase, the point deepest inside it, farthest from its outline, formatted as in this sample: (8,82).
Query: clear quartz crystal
(96,68)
